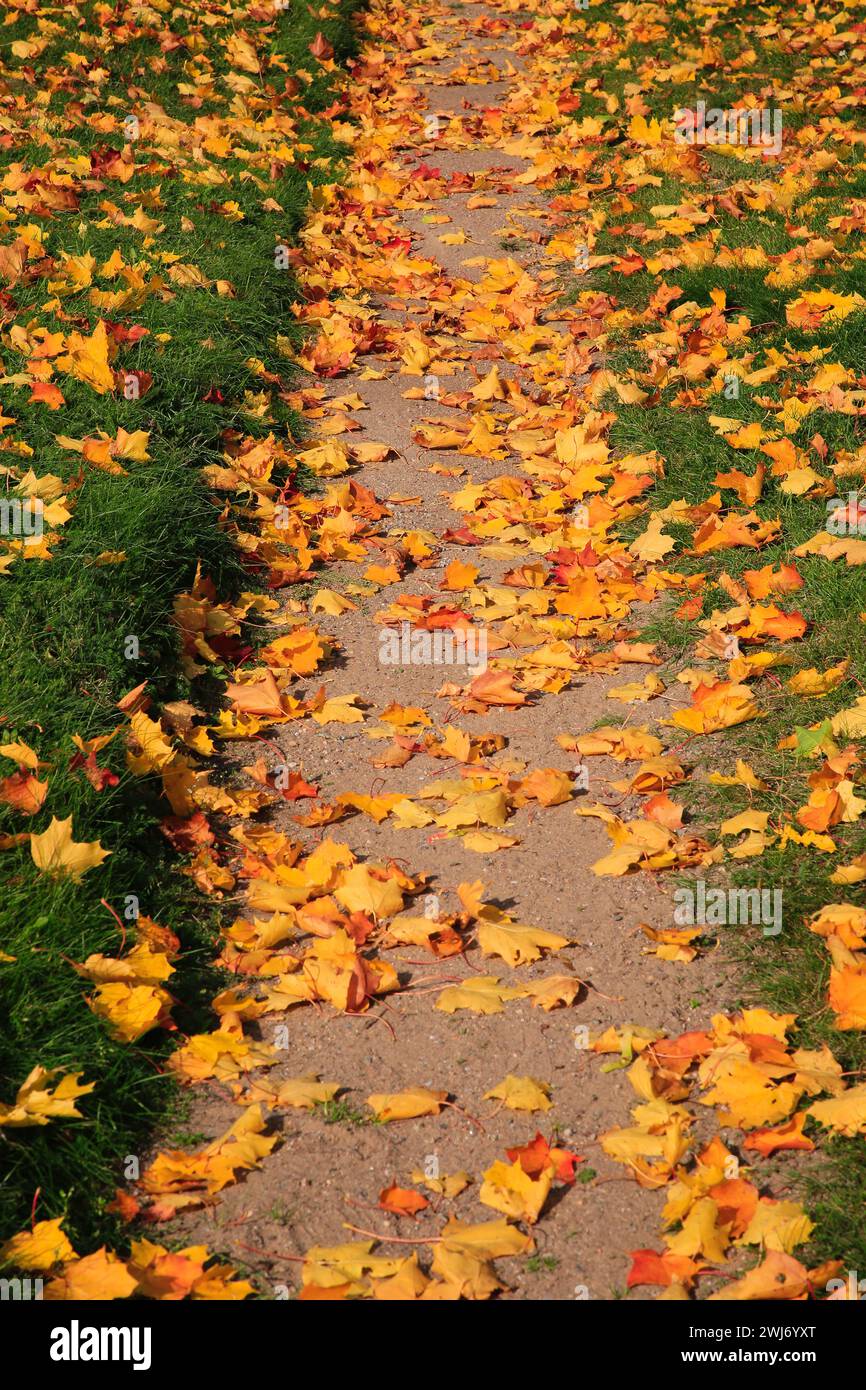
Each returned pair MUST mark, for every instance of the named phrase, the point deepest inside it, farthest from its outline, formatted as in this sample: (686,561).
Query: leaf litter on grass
(593,532)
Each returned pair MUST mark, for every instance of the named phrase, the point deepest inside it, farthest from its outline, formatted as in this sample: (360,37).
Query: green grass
(342,1112)
(64,621)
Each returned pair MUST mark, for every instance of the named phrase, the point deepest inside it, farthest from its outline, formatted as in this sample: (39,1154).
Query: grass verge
(149,175)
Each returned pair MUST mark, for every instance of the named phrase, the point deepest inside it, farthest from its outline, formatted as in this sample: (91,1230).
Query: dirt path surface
(481,247)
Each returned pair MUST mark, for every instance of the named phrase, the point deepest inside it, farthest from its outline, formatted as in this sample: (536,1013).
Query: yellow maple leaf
(87,359)
(305,1092)
(223,1054)
(95,1278)
(340,709)
(56,853)
(777,1226)
(510,1189)
(408,1104)
(45,1095)
(360,890)
(521,1093)
(553,991)
(42,1248)
(845,1114)
(514,943)
(330,602)
(131,1010)
(476,808)
(484,994)
(338,1266)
